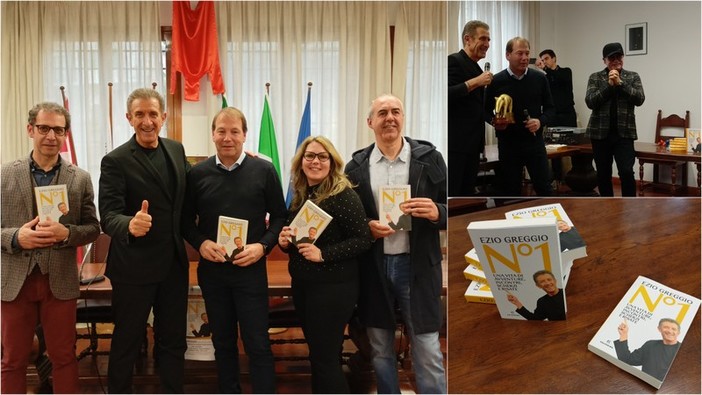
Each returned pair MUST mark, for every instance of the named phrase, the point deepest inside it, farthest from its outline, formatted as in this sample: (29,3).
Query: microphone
(527,118)
(487,66)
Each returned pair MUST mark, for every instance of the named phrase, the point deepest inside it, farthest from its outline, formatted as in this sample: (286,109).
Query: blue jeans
(427,360)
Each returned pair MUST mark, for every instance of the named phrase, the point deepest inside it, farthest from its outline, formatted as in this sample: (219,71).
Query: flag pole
(153,85)
(70,140)
(268,88)
(109,89)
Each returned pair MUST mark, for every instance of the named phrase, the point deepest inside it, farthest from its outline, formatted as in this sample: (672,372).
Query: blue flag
(305,132)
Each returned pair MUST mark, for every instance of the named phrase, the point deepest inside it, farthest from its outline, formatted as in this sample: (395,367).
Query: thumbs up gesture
(140,224)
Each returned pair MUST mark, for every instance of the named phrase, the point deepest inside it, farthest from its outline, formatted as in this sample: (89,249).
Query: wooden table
(583,173)
(656,238)
(647,152)
(492,155)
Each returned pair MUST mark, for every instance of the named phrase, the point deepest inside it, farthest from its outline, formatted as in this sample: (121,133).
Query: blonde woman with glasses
(325,273)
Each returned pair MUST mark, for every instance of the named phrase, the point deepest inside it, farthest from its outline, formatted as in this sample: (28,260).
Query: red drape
(194,51)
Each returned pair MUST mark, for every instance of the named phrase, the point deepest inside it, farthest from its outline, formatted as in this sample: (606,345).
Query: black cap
(612,49)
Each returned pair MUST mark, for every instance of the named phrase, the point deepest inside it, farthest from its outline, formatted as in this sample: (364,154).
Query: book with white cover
(309,223)
(646,329)
(572,244)
(522,264)
(475,272)
(471,257)
(479,293)
(52,201)
(471,272)
(390,199)
(231,233)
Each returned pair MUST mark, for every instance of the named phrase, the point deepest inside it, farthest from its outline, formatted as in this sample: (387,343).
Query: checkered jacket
(598,98)
(18,209)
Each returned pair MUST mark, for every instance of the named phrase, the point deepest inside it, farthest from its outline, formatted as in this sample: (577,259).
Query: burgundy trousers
(19,319)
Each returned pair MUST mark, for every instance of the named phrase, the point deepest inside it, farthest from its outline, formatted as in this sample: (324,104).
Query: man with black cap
(611,95)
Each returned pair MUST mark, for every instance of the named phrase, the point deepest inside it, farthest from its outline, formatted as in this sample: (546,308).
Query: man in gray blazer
(142,187)
(39,271)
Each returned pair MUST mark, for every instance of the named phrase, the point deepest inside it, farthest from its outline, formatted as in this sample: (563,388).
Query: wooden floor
(293,377)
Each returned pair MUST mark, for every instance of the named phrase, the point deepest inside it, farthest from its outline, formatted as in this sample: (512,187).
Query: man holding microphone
(466,124)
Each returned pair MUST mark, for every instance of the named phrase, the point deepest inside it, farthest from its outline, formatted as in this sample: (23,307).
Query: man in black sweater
(655,356)
(521,143)
(550,306)
(235,292)
(560,81)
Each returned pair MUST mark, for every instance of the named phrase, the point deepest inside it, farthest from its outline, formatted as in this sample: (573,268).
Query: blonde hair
(334,183)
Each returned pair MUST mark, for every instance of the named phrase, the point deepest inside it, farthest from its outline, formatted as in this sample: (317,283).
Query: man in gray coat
(39,271)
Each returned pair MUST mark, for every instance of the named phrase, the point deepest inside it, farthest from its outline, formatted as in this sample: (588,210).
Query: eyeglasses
(309,156)
(44,129)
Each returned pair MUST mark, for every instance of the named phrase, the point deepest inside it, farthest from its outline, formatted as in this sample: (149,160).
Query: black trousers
(621,150)
(131,305)
(463,170)
(324,310)
(513,158)
(236,299)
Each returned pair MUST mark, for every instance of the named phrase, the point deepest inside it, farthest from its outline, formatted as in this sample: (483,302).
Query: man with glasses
(612,95)
(402,266)
(39,272)
(236,185)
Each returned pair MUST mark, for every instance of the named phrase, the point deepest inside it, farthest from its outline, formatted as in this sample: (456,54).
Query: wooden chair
(663,126)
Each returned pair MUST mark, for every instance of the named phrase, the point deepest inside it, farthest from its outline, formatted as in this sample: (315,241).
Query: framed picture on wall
(636,39)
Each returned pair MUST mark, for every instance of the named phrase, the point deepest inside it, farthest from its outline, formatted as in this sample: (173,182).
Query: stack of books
(509,253)
(678,144)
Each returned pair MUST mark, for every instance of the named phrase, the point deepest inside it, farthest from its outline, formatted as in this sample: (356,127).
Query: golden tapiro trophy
(503,109)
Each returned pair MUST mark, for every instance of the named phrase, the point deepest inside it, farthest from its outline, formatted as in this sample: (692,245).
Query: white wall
(670,71)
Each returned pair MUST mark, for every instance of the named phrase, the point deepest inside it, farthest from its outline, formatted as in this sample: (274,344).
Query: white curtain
(22,74)
(343,48)
(507,19)
(419,70)
(81,46)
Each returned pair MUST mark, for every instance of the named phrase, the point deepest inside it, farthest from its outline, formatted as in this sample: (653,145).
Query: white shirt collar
(234,165)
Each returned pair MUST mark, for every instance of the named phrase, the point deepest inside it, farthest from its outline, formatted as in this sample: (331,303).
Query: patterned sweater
(346,237)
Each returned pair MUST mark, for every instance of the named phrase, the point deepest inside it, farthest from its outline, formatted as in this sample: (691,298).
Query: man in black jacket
(142,188)
(391,271)
(466,123)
